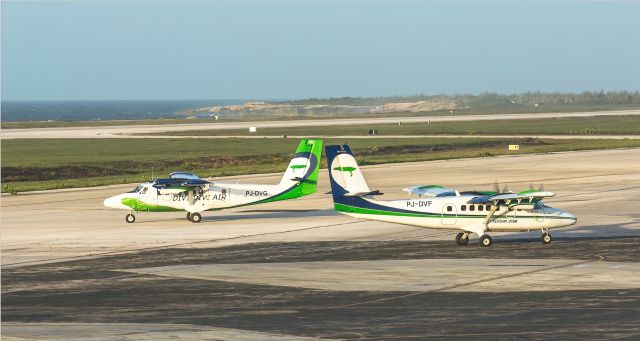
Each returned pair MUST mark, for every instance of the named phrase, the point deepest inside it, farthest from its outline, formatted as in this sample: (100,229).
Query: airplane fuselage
(213,197)
(454,212)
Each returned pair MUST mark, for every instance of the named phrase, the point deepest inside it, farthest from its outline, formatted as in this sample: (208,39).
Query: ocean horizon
(100,110)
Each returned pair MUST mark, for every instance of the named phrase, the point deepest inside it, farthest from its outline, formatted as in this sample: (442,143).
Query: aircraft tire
(196,217)
(130,218)
(460,240)
(189,216)
(485,240)
(546,238)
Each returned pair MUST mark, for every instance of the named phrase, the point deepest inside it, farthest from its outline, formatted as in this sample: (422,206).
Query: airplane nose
(568,215)
(114,202)
(109,202)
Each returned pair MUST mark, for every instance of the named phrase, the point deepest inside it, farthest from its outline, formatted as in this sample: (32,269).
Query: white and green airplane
(187,192)
(442,208)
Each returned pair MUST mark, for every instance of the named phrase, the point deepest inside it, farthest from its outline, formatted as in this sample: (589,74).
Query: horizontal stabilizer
(305,180)
(362,194)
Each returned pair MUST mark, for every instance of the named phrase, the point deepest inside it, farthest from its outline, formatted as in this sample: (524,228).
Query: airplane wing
(177,185)
(195,183)
(183,176)
(508,198)
(430,191)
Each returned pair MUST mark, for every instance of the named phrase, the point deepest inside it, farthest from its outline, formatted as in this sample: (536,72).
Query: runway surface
(555,137)
(137,130)
(287,270)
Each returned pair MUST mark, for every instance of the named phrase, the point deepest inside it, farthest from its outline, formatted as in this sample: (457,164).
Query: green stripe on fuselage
(140,206)
(359,210)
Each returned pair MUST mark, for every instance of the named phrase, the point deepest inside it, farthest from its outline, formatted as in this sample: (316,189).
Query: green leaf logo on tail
(345,169)
(296,167)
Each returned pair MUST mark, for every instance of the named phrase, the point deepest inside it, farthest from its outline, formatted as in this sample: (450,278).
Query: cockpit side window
(144,190)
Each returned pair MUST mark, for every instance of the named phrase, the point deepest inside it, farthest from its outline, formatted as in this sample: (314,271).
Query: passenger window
(488,208)
(480,208)
(472,207)
(449,208)
(463,208)
(144,190)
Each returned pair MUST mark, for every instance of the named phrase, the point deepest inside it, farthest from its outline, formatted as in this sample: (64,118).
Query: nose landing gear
(546,237)
(130,218)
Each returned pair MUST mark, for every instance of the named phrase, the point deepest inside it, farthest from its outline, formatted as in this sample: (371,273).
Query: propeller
(540,188)
(191,198)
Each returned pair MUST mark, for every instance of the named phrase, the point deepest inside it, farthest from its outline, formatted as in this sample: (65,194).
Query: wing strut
(493,210)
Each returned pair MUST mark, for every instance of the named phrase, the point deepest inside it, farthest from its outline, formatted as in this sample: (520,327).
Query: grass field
(595,125)
(39,164)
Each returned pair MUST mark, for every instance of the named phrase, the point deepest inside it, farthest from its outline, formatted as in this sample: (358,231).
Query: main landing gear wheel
(130,218)
(485,240)
(461,239)
(189,216)
(196,217)
(546,238)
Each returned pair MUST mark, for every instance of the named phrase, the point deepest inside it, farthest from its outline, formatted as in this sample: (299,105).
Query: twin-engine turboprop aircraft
(187,192)
(443,208)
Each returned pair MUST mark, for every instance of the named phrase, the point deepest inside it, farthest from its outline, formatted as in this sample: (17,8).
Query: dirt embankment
(284,109)
(420,106)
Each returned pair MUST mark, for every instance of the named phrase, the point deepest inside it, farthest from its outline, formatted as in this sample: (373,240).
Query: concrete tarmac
(138,131)
(297,269)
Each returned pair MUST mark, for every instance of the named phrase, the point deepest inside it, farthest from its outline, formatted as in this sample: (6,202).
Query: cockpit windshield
(539,205)
(137,189)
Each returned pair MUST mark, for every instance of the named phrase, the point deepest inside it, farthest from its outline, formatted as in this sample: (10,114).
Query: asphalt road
(73,269)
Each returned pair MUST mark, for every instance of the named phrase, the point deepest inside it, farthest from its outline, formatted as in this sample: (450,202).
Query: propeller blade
(505,189)
(496,186)
(190,198)
(541,188)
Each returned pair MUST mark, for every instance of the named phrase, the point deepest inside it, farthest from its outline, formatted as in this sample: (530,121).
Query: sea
(102,110)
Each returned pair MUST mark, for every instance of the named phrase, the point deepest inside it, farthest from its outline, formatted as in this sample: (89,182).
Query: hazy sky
(298,49)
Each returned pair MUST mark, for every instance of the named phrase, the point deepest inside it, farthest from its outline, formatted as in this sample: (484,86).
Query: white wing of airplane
(510,197)
(430,191)
(179,182)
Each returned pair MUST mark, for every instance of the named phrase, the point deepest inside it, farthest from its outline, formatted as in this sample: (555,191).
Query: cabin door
(449,214)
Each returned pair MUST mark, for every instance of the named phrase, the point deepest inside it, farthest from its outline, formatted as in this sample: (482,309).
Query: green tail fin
(304,168)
